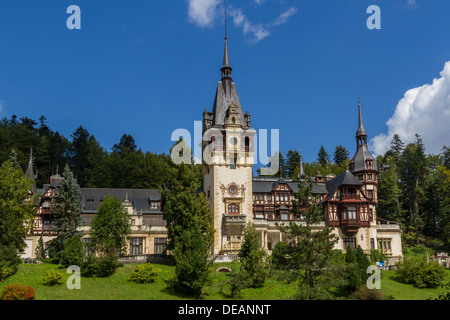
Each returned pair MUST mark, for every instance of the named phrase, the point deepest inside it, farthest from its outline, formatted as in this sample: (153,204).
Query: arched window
(233,208)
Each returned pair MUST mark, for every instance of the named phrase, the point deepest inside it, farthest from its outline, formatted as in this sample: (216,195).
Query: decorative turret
(362,160)
(30,173)
(301,172)
(364,165)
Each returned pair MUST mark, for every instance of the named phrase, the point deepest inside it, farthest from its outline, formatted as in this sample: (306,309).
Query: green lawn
(401,291)
(117,286)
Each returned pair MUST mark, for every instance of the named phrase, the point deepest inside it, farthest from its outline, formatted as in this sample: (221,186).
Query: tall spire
(361,131)
(30,173)
(226,68)
(301,172)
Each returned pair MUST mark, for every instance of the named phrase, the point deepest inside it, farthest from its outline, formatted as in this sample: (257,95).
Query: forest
(413,186)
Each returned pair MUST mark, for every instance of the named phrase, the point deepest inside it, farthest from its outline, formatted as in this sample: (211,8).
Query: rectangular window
(136,246)
(349,242)
(372,243)
(344,214)
(160,245)
(352,213)
(277,197)
(284,216)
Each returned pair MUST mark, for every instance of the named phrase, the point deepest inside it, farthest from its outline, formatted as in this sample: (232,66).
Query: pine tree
(308,251)
(40,249)
(293,163)
(253,258)
(389,192)
(66,208)
(189,222)
(397,146)
(322,157)
(340,155)
(412,166)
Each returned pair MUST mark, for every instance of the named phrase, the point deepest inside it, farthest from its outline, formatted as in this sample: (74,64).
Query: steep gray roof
(226,94)
(359,159)
(345,178)
(138,197)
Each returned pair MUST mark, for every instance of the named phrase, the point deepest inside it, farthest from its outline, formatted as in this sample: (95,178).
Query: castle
(237,198)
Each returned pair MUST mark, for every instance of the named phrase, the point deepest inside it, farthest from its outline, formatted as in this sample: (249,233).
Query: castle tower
(364,166)
(227,163)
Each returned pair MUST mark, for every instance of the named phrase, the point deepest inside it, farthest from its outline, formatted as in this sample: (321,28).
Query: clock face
(233,189)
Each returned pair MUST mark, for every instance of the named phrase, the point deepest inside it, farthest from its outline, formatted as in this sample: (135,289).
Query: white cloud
(256,32)
(424,110)
(203,12)
(283,18)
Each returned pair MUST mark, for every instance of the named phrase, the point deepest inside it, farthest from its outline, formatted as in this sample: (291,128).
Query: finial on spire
(225,19)
(226,68)
(361,131)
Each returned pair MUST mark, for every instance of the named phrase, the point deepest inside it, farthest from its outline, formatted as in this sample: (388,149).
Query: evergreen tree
(40,249)
(397,146)
(389,192)
(66,208)
(322,157)
(253,258)
(293,163)
(412,166)
(189,222)
(72,253)
(110,228)
(340,155)
(446,156)
(308,251)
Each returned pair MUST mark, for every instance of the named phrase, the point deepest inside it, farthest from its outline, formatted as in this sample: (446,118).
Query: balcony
(388,226)
(234,219)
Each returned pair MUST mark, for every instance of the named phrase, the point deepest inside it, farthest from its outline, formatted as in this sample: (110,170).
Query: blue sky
(148,67)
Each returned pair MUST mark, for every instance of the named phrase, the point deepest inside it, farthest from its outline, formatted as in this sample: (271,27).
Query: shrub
(145,273)
(72,253)
(6,272)
(102,266)
(419,272)
(9,261)
(364,293)
(17,292)
(53,278)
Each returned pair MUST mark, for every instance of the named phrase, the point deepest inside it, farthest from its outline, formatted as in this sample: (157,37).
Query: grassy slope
(117,286)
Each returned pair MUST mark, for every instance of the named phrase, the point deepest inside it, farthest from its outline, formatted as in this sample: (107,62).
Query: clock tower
(227,163)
